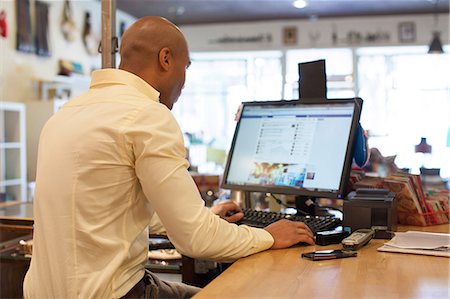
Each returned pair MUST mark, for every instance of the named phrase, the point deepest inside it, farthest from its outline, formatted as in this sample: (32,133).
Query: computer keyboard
(262,219)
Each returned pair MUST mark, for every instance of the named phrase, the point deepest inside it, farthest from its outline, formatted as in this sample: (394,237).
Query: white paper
(420,240)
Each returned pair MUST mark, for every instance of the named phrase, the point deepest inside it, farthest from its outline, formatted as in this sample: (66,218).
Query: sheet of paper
(420,240)
(387,248)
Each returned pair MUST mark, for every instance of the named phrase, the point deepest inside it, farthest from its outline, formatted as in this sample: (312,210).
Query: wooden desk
(284,274)
(16,223)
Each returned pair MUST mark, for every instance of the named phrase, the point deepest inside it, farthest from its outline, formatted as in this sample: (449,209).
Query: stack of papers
(419,243)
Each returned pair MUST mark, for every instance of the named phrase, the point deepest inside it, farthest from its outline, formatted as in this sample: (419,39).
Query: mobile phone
(328,254)
(358,239)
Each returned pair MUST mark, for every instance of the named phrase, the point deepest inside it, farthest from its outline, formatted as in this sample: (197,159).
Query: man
(110,159)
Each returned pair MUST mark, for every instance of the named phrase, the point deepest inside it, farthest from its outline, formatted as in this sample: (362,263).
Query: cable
(286,206)
(331,208)
(303,212)
(277,200)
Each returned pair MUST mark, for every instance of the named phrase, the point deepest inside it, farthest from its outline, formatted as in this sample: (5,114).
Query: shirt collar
(117,76)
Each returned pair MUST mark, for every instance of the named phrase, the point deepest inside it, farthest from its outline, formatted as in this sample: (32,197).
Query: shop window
(406,97)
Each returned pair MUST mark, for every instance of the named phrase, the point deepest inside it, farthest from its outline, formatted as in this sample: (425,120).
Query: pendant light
(436,44)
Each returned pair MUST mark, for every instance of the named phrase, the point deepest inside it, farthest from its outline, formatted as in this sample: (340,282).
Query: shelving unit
(13,168)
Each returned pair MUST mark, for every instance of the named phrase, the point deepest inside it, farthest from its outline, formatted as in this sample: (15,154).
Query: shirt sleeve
(161,168)
(155,226)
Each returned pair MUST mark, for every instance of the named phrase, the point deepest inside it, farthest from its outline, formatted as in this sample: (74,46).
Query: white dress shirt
(107,161)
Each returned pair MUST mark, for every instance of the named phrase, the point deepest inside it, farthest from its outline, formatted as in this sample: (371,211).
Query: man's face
(177,77)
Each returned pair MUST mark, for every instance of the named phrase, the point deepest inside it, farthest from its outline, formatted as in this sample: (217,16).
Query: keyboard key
(261,219)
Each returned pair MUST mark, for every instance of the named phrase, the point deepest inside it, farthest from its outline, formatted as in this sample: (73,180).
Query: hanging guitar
(89,38)
(68,26)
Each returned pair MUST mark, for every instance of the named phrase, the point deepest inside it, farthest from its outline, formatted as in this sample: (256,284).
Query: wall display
(354,37)
(68,26)
(24,34)
(41,27)
(290,35)
(90,41)
(256,38)
(407,32)
(334,35)
(3,24)
(67,67)
(314,36)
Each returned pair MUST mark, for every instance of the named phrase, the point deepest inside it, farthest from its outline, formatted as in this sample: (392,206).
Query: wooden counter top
(372,274)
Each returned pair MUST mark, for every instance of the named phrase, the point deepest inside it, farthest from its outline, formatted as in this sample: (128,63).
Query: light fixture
(436,44)
(300,4)
(423,146)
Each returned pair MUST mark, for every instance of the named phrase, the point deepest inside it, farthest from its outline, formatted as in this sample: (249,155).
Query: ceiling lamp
(300,4)
(436,44)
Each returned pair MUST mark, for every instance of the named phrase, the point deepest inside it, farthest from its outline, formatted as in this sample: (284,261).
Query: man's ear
(165,58)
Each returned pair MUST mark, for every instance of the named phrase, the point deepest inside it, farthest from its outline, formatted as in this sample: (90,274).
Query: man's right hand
(287,233)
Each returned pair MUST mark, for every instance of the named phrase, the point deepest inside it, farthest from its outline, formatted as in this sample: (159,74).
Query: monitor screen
(293,147)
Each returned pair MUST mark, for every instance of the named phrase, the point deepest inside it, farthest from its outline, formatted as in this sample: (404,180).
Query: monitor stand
(308,205)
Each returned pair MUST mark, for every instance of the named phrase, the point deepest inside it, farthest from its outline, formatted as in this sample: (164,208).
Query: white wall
(19,71)
(268,35)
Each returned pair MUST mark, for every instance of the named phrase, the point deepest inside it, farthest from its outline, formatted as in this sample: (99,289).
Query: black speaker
(312,82)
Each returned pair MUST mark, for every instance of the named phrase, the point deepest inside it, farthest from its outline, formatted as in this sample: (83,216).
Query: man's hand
(287,233)
(228,210)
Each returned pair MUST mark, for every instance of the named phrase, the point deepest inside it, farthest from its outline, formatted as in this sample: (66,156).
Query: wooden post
(109,43)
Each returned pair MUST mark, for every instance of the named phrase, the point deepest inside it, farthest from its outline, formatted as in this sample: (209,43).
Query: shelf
(10,145)
(5,204)
(13,170)
(10,182)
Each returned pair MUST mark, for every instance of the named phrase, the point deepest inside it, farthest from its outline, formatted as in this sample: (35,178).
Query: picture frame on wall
(290,36)
(24,38)
(407,32)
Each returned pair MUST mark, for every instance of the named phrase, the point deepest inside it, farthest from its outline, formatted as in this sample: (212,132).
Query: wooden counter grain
(372,274)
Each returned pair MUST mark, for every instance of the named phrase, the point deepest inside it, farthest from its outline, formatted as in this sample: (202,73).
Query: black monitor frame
(340,193)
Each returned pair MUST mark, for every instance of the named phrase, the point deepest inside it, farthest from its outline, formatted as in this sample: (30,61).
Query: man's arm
(227,210)
(156,227)
(195,231)
(284,233)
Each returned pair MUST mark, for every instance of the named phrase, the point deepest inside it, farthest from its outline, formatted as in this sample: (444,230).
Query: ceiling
(187,12)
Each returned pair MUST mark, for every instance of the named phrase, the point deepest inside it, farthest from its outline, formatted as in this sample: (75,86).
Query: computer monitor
(293,147)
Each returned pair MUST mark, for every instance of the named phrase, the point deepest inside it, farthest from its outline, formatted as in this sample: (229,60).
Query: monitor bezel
(340,193)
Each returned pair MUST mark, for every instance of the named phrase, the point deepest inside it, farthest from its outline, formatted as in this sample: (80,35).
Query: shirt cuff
(263,237)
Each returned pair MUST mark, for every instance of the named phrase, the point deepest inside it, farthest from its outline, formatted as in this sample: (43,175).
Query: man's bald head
(155,50)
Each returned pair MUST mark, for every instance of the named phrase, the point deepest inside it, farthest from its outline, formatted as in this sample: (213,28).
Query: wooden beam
(109,43)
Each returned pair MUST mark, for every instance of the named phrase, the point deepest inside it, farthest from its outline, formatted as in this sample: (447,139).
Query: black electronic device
(303,148)
(316,223)
(358,239)
(312,79)
(329,254)
(371,209)
(334,236)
